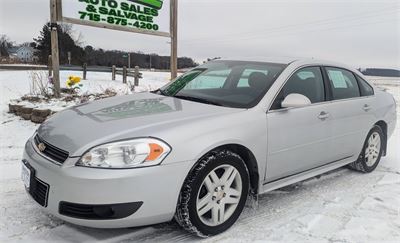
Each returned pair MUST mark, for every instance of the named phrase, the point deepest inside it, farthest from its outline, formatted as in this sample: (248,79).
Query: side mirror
(295,100)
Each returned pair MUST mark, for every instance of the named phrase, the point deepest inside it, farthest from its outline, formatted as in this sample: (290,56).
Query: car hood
(121,117)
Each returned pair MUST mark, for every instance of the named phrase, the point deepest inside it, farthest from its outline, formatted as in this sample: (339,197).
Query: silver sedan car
(196,149)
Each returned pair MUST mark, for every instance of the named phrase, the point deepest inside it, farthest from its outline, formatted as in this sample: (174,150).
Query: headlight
(126,154)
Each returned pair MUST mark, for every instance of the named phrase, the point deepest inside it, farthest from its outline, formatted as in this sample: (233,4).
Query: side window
(344,84)
(210,80)
(308,82)
(365,88)
(244,79)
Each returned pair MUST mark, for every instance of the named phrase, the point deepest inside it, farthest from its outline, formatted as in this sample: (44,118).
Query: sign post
(174,38)
(54,47)
(150,17)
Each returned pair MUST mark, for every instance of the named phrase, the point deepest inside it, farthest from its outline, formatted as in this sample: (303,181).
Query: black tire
(186,214)
(361,163)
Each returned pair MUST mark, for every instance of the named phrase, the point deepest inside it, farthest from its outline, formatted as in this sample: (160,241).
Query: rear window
(344,84)
(244,79)
(365,88)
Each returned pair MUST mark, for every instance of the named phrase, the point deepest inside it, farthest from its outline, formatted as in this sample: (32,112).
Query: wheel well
(250,160)
(383,126)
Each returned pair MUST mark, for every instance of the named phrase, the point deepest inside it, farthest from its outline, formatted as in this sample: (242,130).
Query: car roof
(300,61)
(269,59)
(296,61)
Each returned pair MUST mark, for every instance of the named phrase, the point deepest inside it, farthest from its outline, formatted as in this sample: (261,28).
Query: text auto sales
(119,13)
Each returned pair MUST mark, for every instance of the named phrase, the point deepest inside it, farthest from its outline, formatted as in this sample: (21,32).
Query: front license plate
(26,175)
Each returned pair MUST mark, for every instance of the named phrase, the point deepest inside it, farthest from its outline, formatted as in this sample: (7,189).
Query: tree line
(94,56)
(100,57)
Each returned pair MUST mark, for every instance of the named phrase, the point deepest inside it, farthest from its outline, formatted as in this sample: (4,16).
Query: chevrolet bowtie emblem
(41,147)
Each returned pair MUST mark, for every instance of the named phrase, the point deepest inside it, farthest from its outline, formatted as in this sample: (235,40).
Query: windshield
(225,83)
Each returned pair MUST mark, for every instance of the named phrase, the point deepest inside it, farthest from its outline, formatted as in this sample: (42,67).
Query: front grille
(51,151)
(39,191)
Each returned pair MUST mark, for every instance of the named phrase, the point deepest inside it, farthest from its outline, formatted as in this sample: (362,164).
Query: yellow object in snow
(72,80)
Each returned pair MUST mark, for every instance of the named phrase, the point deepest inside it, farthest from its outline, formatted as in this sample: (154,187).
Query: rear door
(299,139)
(351,111)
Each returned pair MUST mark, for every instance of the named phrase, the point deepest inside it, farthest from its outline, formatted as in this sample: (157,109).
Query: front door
(299,139)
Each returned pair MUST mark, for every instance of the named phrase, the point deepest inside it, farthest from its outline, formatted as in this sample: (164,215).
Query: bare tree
(67,28)
(5,44)
(79,40)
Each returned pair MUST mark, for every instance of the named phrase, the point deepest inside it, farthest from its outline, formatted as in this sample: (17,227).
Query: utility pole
(54,47)
(174,38)
(69,58)
(150,62)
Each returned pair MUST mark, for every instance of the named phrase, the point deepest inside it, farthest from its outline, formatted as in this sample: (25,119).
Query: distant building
(382,72)
(24,53)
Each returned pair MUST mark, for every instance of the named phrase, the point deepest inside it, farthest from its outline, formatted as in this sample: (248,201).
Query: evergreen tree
(65,44)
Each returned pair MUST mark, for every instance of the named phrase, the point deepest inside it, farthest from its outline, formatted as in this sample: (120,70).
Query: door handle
(366,107)
(323,115)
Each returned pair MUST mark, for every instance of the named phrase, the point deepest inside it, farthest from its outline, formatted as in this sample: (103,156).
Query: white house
(24,53)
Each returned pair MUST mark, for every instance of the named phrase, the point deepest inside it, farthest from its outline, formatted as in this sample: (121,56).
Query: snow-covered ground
(96,82)
(342,206)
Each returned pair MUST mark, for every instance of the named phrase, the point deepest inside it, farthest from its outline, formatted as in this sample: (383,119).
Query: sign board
(150,17)
(141,16)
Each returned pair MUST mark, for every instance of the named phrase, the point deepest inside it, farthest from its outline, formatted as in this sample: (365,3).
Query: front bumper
(156,187)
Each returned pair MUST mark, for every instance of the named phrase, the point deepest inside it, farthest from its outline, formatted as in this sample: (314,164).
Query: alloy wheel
(219,195)
(373,149)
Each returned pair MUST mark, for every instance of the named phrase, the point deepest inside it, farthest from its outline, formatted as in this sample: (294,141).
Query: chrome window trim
(321,103)
(318,103)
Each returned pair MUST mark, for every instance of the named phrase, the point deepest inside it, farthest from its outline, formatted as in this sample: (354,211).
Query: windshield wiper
(160,91)
(198,99)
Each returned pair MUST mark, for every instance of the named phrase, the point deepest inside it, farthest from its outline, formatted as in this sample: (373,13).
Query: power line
(347,27)
(284,28)
(328,21)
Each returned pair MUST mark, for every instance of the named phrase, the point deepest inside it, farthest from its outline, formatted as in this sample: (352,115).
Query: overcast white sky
(357,32)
